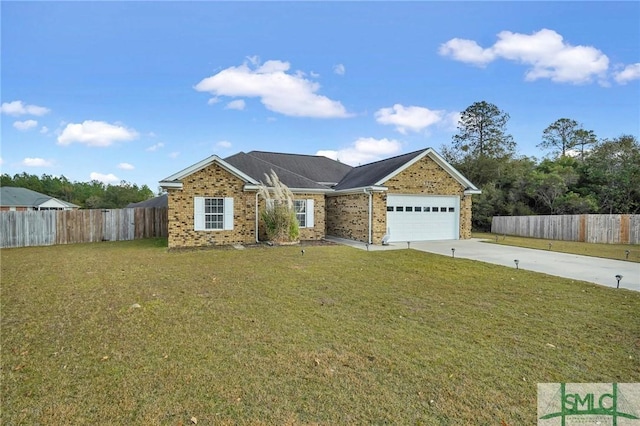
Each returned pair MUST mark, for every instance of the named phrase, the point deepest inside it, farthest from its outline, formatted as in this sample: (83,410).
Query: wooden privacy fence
(43,228)
(591,228)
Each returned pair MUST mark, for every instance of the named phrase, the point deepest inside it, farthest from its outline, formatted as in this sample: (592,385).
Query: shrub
(279,215)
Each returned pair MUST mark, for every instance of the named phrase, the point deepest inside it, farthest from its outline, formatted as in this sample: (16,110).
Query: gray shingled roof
(370,174)
(22,197)
(257,168)
(315,167)
(159,201)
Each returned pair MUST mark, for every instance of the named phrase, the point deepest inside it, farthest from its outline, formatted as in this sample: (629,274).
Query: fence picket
(592,228)
(42,228)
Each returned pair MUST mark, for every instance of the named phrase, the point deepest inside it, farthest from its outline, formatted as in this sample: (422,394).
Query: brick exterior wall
(348,215)
(214,181)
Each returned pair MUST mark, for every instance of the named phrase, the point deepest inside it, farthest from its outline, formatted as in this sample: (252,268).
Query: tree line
(580,174)
(90,195)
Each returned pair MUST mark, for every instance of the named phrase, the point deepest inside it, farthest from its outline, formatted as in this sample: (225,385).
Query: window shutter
(198,214)
(310,223)
(228,214)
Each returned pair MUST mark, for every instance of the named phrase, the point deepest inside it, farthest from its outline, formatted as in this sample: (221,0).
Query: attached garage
(423,217)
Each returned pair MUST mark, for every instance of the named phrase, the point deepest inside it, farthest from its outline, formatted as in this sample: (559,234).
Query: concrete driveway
(583,268)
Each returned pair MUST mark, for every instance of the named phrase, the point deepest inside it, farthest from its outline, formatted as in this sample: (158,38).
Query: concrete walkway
(584,268)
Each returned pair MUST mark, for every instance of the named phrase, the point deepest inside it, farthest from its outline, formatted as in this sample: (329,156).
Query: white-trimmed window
(213,213)
(304,213)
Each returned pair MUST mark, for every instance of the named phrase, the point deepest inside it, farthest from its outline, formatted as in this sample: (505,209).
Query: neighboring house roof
(159,201)
(22,197)
(257,168)
(318,168)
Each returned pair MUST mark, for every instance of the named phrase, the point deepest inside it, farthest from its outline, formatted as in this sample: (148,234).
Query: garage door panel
(422,218)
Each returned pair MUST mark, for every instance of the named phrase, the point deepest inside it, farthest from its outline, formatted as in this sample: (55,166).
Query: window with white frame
(304,212)
(213,213)
(301,212)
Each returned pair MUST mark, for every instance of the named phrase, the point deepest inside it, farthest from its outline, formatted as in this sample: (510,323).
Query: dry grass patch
(268,336)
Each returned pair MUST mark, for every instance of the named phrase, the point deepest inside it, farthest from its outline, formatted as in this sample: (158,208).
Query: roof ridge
(292,154)
(282,168)
(394,157)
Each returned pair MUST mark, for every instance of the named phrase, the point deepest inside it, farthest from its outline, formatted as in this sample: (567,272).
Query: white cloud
(126,166)
(629,73)
(545,52)
(174,154)
(25,125)
(36,162)
(450,121)
(466,51)
(224,144)
(339,69)
(108,178)
(44,130)
(1,161)
(410,118)
(364,150)
(238,104)
(19,108)
(155,147)
(95,133)
(279,91)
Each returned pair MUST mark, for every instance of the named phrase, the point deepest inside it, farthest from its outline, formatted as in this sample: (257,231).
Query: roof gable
(379,172)
(175,180)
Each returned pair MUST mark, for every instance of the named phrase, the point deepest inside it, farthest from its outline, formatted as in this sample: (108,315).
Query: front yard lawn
(272,336)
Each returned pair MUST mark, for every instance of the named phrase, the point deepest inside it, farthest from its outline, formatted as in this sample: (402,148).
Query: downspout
(257,219)
(370,214)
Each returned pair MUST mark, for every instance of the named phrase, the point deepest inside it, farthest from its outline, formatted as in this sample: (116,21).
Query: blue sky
(137,91)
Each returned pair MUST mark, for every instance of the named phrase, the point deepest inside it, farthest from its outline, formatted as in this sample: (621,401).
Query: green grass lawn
(608,251)
(271,336)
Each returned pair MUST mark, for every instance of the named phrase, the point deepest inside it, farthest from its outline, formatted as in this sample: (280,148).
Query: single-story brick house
(412,197)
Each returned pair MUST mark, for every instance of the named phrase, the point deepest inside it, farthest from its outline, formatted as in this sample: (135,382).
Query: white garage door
(423,218)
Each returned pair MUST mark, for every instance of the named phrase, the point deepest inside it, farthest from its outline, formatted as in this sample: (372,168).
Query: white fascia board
(360,190)
(52,203)
(170,185)
(453,172)
(404,167)
(310,190)
(470,191)
(440,161)
(294,190)
(167,182)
